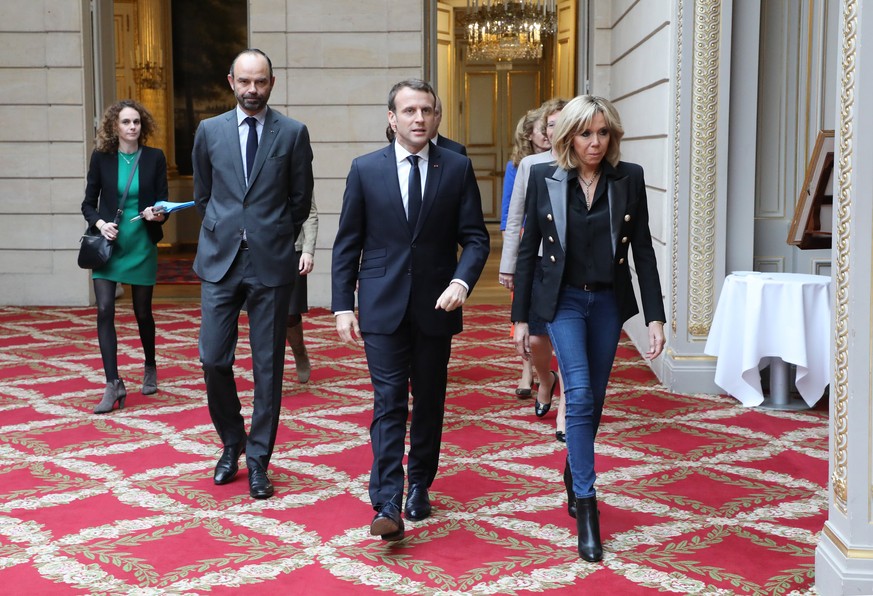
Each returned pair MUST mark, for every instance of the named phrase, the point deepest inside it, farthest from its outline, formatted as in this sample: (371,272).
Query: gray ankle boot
(114,392)
(150,380)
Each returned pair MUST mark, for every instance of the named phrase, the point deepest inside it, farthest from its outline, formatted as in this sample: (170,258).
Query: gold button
(551,239)
(552,258)
(621,261)
(549,217)
(627,217)
(624,240)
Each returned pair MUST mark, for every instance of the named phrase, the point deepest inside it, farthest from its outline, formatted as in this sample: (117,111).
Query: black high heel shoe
(542,409)
(588,527)
(568,484)
(114,392)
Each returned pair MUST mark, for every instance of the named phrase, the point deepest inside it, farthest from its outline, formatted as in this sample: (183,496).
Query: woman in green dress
(120,156)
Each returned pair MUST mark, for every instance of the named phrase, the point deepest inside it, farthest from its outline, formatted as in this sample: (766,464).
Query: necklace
(124,156)
(586,187)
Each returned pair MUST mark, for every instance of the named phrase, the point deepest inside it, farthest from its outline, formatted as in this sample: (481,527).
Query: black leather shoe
(260,486)
(561,436)
(417,503)
(228,463)
(568,485)
(588,527)
(542,409)
(387,523)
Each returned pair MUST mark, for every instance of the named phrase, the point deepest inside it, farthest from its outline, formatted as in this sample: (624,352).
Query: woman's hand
(108,229)
(656,340)
(306,263)
(521,338)
(152,214)
(507,280)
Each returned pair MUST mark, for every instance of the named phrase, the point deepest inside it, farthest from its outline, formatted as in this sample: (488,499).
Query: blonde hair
(522,146)
(574,118)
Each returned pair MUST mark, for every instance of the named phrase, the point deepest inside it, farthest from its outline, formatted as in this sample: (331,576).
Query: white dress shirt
(244,133)
(404,168)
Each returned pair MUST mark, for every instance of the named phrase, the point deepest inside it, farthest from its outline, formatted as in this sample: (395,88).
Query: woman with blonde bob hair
(587,211)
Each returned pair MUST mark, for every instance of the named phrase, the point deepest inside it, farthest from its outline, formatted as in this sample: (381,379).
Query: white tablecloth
(764,315)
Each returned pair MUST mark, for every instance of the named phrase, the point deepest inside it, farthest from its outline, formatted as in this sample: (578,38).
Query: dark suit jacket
(537,288)
(271,209)
(101,189)
(448,143)
(395,268)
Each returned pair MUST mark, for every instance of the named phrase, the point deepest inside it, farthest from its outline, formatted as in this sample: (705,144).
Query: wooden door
(494,100)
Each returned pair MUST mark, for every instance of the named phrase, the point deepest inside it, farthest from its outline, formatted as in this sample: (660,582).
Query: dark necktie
(414,205)
(251,145)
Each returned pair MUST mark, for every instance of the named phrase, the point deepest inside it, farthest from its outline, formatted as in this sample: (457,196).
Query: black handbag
(94,249)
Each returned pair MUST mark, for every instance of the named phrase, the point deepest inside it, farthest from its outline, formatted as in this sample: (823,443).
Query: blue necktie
(251,145)
(414,204)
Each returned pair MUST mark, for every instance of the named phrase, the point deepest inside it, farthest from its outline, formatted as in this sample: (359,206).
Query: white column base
(841,571)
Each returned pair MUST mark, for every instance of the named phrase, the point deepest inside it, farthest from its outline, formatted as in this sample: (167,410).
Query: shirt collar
(241,116)
(401,153)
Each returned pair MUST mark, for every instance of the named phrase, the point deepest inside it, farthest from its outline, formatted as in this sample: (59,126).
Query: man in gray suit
(253,188)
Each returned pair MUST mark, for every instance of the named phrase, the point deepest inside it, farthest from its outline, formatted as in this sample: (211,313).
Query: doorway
(483,101)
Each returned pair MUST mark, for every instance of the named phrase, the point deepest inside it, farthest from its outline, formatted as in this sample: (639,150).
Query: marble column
(844,557)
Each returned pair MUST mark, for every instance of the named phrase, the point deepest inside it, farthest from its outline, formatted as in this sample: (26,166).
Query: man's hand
(521,339)
(306,263)
(347,328)
(452,297)
(656,340)
(507,280)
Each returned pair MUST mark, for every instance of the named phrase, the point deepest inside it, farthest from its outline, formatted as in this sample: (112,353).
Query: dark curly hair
(107,132)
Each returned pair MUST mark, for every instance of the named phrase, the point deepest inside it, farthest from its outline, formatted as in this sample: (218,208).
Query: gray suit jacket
(271,209)
(517,209)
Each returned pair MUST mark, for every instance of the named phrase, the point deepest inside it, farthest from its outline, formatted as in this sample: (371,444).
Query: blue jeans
(584,334)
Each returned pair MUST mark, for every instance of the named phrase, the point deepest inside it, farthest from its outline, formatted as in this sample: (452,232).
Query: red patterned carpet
(176,269)
(697,495)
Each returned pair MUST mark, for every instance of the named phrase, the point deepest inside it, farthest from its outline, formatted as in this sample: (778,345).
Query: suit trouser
(395,360)
(221,303)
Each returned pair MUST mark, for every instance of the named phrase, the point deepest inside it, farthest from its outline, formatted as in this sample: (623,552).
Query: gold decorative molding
(849,553)
(704,165)
(677,114)
(845,138)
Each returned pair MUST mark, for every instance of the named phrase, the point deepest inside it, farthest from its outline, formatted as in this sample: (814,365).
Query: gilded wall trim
(704,165)
(674,292)
(845,137)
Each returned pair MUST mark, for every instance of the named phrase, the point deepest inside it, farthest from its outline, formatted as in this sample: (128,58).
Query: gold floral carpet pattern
(697,495)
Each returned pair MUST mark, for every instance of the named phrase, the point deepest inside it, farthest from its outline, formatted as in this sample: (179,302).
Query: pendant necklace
(586,187)
(128,158)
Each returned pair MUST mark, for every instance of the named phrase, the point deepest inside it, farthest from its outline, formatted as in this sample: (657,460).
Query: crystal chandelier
(507,30)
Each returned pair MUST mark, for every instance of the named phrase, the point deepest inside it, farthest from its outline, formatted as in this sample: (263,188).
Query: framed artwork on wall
(811,226)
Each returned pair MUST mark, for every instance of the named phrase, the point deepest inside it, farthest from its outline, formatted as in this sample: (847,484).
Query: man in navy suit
(253,188)
(438,139)
(406,210)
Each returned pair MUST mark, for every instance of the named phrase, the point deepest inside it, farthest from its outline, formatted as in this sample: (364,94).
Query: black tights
(104,290)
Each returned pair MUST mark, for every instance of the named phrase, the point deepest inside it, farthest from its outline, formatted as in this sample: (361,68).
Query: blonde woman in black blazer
(125,127)
(587,211)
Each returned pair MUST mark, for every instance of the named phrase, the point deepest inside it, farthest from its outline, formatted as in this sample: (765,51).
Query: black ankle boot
(568,484)
(588,527)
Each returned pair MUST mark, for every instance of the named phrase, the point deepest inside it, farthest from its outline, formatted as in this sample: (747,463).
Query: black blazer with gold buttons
(537,286)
